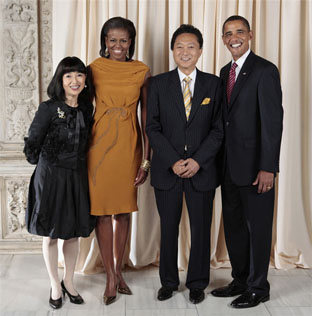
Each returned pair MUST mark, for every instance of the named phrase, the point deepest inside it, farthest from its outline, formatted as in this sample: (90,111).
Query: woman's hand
(141,177)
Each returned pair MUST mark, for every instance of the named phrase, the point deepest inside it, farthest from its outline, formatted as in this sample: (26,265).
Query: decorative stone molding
(19,114)
(20,54)
(19,11)
(14,203)
(45,46)
(16,206)
(26,68)
(21,82)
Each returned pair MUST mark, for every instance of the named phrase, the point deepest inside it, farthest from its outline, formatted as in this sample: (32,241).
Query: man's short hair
(236,18)
(187,28)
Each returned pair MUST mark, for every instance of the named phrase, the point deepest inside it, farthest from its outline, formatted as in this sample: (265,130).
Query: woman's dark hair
(118,23)
(236,18)
(187,28)
(66,65)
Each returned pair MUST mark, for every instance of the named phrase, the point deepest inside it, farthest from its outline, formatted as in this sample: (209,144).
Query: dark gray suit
(172,138)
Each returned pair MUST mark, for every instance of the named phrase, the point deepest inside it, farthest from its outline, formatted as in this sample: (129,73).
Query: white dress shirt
(191,84)
(240,62)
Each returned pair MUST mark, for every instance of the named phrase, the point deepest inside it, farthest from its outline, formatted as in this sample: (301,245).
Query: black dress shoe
(164,293)
(196,296)
(249,299)
(56,304)
(230,290)
(76,299)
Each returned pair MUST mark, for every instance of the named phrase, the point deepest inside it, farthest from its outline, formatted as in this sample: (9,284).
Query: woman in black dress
(58,203)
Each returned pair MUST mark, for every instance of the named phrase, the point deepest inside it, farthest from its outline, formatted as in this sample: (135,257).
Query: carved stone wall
(26,65)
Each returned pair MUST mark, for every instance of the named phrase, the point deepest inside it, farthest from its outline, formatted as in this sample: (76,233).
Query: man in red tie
(253,116)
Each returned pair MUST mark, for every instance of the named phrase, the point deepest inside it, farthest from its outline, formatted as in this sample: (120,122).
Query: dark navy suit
(253,129)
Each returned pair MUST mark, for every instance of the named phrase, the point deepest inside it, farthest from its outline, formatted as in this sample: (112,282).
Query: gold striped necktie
(187,96)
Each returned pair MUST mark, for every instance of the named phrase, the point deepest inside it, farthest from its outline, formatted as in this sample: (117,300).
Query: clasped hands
(185,168)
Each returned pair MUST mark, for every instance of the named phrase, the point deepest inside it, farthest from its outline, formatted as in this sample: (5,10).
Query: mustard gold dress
(115,151)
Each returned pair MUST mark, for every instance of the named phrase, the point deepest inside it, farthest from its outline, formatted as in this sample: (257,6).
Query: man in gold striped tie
(185,131)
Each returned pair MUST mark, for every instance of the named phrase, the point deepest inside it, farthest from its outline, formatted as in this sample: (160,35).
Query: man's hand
(178,167)
(190,168)
(265,181)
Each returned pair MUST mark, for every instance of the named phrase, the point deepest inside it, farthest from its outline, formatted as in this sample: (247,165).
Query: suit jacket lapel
(242,78)
(199,91)
(176,95)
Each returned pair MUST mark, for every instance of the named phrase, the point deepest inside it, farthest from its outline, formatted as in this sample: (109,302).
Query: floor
(24,291)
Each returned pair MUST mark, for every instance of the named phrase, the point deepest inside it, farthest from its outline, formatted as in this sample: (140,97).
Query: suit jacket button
(227,123)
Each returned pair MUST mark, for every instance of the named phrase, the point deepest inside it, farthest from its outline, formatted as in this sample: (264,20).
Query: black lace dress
(58,201)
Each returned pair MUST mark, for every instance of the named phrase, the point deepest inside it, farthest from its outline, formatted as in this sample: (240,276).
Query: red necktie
(231,81)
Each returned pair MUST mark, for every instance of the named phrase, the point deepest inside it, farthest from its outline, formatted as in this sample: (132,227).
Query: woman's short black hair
(66,65)
(187,28)
(236,18)
(118,23)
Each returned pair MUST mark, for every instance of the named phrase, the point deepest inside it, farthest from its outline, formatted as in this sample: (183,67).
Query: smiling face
(73,84)
(236,37)
(117,42)
(186,52)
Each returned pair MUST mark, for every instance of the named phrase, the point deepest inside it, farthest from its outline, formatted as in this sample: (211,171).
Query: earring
(86,86)
(127,55)
(106,52)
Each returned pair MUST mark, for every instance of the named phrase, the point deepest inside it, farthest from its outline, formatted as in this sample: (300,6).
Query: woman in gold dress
(115,163)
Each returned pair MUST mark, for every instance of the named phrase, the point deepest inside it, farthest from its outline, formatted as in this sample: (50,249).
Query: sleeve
(271,118)
(89,121)
(211,145)
(145,70)
(36,133)
(159,142)
(88,114)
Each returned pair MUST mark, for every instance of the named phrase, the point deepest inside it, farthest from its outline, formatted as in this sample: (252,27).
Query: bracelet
(145,165)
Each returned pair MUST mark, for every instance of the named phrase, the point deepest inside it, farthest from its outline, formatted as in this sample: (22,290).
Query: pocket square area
(205,101)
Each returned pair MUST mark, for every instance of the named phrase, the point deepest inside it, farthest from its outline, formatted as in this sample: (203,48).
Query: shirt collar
(240,61)
(192,75)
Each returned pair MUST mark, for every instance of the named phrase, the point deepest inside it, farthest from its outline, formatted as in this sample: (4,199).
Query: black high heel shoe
(56,304)
(75,299)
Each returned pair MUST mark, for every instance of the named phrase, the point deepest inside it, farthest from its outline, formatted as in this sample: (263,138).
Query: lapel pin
(244,74)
